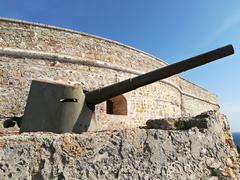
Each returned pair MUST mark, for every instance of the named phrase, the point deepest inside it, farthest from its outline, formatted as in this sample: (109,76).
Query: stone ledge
(130,153)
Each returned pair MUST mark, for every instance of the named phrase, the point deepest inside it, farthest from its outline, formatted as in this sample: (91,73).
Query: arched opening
(117,105)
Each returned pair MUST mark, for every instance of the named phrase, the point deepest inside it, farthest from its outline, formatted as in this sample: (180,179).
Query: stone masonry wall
(31,51)
(195,96)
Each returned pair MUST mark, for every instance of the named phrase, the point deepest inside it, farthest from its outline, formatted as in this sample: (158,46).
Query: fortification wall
(195,96)
(31,51)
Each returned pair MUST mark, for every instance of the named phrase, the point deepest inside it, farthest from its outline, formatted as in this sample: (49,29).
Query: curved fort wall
(32,51)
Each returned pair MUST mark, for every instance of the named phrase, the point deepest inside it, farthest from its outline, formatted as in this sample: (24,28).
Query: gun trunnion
(60,108)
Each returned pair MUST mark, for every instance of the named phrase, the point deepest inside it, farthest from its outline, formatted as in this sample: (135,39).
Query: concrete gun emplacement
(58,108)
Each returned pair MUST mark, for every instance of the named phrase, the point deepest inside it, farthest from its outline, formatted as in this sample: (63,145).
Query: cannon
(60,108)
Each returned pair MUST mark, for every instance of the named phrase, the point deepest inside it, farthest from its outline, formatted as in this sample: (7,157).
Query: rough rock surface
(141,153)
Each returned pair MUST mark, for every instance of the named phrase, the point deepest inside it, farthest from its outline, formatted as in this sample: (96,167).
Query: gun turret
(59,108)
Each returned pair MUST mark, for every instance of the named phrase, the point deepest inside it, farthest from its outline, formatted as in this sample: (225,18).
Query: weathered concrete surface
(196,153)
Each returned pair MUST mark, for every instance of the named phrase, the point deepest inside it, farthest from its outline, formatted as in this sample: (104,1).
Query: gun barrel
(102,94)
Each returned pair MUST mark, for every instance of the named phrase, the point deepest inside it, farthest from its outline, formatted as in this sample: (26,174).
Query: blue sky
(171,30)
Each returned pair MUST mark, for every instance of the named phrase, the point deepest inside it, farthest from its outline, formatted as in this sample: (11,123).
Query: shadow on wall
(117,105)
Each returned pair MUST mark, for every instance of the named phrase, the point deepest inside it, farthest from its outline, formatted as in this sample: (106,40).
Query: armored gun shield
(57,108)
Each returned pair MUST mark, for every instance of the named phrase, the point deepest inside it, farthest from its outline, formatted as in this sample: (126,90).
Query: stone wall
(195,153)
(32,51)
(195,96)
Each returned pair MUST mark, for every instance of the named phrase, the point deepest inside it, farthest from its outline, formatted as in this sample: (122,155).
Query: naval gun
(59,108)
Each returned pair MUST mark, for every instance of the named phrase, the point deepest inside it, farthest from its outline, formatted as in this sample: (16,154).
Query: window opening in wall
(117,105)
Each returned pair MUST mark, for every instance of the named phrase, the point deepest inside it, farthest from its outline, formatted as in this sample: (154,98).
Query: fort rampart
(33,51)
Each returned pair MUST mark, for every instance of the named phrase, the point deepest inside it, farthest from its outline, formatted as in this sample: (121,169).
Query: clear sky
(171,30)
